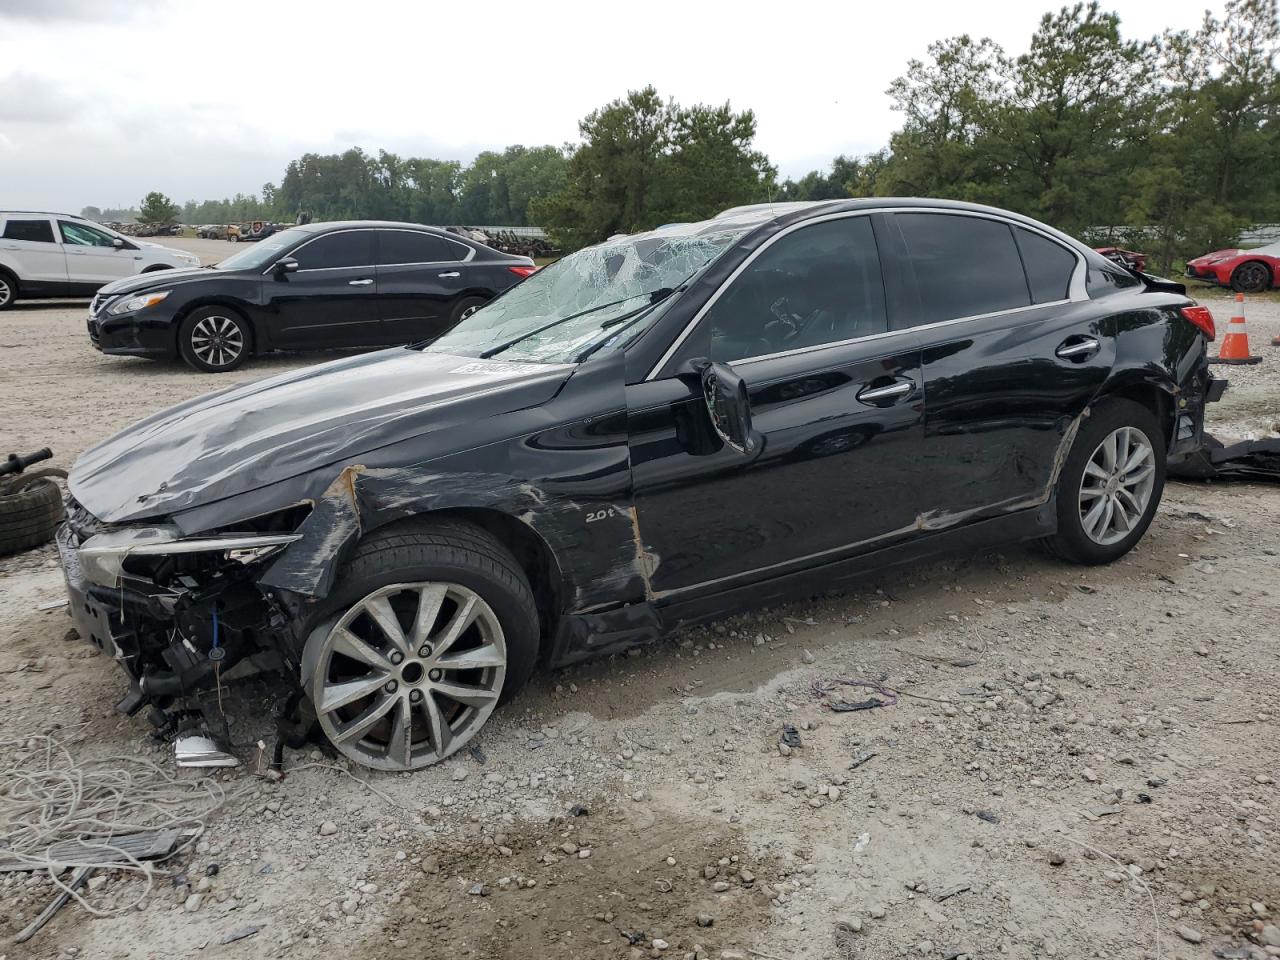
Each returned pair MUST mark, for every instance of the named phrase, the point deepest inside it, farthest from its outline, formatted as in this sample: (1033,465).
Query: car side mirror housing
(728,405)
(287,265)
(117,243)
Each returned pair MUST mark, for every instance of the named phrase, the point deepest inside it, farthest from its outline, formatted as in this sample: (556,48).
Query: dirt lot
(1079,763)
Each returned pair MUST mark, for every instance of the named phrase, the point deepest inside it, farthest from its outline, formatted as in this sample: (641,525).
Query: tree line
(1170,144)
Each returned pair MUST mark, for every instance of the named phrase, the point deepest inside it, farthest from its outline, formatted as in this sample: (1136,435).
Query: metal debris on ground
(951,891)
(124,814)
(987,816)
(790,736)
(239,933)
(144,845)
(862,758)
(197,750)
(77,880)
(1247,460)
(821,688)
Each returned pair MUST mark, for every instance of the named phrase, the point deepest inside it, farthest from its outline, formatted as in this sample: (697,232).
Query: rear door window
(409,246)
(36,231)
(351,248)
(1049,266)
(964,266)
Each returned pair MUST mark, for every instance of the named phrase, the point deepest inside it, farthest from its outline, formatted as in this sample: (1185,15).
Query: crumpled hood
(158,280)
(248,436)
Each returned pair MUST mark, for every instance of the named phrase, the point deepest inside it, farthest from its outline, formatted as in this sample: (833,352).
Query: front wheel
(431,626)
(1111,484)
(214,339)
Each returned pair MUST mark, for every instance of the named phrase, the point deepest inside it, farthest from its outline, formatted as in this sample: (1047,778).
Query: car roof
(327,225)
(751,217)
(41,213)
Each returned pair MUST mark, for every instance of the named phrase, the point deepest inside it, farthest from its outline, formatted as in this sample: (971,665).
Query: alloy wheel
(408,675)
(1253,276)
(468,312)
(218,341)
(1116,487)
(6,292)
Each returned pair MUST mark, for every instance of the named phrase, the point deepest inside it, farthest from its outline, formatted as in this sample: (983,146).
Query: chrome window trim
(903,331)
(1077,291)
(330,233)
(471,251)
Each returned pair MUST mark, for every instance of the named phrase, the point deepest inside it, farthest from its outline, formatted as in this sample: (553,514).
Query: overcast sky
(104,100)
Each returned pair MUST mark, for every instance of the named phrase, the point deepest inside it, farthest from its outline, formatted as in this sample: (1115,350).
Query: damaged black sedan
(658,430)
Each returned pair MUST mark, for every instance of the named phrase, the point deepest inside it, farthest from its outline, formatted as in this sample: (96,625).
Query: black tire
(1252,276)
(455,552)
(30,510)
(230,328)
(8,289)
(464,308)
(1071,542)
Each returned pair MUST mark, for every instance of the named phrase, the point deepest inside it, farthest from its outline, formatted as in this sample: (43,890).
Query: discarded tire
(30,510)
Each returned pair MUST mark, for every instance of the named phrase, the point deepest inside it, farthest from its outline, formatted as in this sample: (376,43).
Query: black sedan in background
(318,286)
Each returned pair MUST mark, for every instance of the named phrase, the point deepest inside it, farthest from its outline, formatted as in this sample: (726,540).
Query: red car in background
(1126,258)
(1245,271)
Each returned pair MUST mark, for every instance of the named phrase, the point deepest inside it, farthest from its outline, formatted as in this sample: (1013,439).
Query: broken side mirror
(728,405)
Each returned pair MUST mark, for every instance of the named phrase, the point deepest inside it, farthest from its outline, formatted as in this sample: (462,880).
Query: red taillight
(1201,318)
(526,271)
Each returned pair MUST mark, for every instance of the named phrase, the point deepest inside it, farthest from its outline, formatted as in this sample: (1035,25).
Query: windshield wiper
(494,351)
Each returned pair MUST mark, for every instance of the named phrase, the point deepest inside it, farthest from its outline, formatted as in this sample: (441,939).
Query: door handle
(890,392)
(452,273)
(1085,347)
(359,283)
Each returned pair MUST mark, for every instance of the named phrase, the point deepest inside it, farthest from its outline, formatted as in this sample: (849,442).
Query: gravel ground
(1079,763)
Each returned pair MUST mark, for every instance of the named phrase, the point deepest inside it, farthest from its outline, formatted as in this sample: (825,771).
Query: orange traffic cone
(1235,345)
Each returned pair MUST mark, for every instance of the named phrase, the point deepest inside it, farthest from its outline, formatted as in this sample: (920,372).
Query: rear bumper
(1188,429)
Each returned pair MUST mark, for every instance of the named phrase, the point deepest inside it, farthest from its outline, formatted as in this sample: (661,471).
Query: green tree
(950,107)
(91,213)
(1080,115)
(643,162)
(157,208)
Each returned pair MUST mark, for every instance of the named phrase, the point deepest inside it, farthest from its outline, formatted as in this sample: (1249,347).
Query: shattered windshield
(567,308)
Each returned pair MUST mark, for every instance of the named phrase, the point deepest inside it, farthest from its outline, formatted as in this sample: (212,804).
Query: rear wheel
(1111,484)
(464,308)
(214,339)
(430,628)
(8,289)
(1251,277)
